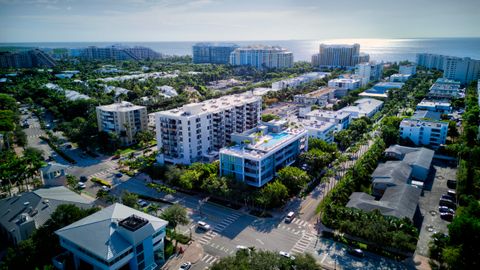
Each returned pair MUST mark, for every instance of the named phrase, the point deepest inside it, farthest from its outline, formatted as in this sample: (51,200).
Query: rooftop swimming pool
(275,139)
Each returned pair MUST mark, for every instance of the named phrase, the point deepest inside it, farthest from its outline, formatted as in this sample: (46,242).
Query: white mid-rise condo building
(262,57)
(195,132)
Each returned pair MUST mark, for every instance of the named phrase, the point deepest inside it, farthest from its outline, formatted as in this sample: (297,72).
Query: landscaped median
(57,150)
(101,182)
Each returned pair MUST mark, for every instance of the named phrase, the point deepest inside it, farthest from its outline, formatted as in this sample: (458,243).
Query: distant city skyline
(214,20)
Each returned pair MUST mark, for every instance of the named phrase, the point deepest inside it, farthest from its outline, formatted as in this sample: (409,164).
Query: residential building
(444,89)
(364,107)
(319,97)
(213,53)
(297,81)
(424,132)
(116,237)
(464,70)
(345,83)
(341,56)
(260,152)
(380,90)
(123,119)
(419,158)
(422,114)
(196,131)
(397,201)
(390,174)
(430,61)
(25,212)
(262,57)
(371,70)
(151,122)
(340,119)
(319,129)
(401,78)
(118,53)
(409,69)
(26,59)
(441,106)
(167,91)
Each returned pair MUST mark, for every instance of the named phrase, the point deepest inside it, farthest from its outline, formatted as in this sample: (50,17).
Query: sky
(236,20)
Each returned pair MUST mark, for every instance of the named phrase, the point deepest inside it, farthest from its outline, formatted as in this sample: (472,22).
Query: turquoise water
(276,138)
(379,49)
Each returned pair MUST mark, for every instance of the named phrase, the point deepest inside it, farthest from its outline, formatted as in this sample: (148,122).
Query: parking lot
(436,185)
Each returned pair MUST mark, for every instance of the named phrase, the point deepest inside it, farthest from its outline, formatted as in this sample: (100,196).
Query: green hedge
(58,151)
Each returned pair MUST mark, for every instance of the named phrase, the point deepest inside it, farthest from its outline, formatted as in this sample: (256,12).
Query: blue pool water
(276,138)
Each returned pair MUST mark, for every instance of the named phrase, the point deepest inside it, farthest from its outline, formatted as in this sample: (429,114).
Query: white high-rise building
(262,57)
(430,61)
(195,132)
(464,70)
(371,71)
(345,83)
(339,55)
(123,119)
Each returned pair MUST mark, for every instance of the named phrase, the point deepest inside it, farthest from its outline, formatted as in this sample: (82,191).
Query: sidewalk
(192,253)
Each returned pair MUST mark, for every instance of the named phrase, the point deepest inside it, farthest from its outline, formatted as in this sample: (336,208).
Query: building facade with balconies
(195,132)
(424,132)
(123,119)
(260,152)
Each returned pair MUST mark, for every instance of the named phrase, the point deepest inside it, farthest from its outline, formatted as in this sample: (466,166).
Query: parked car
(81,185)
(290,216)
(445,209)
(448,197)
(83,178)
(203,225)
(448,203)
(286,255)
(119,175)
(185,266)
(452,184)
(452,193)
(356,252)
(142,203)
(447,216)
(105,188)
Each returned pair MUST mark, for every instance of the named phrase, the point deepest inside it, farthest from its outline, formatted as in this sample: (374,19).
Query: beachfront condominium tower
(123,119)
(213,53)
(195,132)
(339,55)
(262,57)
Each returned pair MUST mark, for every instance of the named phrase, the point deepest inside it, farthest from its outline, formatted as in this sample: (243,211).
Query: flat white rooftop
(328,114)
(124,106)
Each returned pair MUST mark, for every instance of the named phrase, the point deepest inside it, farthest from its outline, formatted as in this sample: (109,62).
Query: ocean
(387,50)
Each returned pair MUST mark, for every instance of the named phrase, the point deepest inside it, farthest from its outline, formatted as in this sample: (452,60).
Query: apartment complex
(399,77)
(116,237)
(424,132)
(444,89)
(117,53)
(342,56)
(262,57)
(319,129)
(214,53)
(123,119)
(442,106)
(464,70)
(260,152)
(345,83)
(340,119)
(195,132)
(372,71)
(297,81)
(364,107)
(26,59)
(380,90)
(409,69)
(319,97)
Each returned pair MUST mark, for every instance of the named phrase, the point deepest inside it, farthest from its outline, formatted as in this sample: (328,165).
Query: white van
(290,216)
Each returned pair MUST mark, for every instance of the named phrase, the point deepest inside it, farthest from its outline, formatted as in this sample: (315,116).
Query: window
(139,248)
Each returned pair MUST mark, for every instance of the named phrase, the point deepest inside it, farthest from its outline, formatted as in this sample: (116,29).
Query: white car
(142,203)
(203,225)
(185,266)
(286,255)
(81,185)
(105,188)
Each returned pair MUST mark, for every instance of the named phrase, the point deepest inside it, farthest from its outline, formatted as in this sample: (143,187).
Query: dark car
(448,197)
(447,216)
(118,175)
(452,184)
(356,252)
(83,178)
(445,209)
(448,203)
